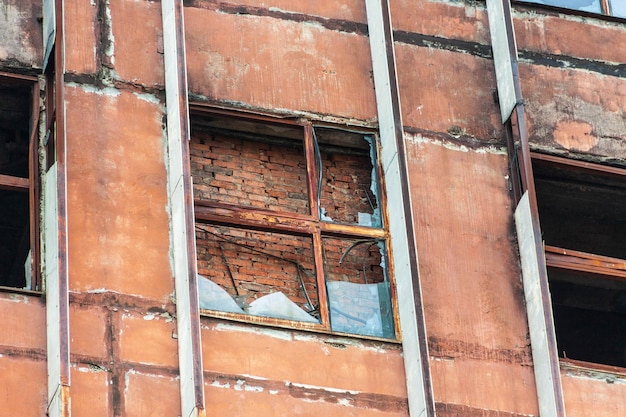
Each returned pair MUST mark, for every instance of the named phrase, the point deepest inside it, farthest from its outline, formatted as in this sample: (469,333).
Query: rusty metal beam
(266,220)
(585,262)
(35,192)
(8,182)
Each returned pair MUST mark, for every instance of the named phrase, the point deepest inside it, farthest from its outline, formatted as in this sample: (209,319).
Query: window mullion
(312,173)
(321,280)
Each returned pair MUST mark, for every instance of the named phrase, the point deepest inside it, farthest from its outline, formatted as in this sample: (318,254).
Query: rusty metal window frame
(297,224)
(606,8)
(32,184)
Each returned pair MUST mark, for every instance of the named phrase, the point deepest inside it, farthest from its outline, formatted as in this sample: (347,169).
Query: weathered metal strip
(504,55)
(404,252)
(55,238)
(182,218)
(49,29)
(539,311)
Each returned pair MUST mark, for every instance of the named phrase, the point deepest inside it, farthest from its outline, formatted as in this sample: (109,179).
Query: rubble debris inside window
(581,209)
(15,266)
(266,274)
(289,224)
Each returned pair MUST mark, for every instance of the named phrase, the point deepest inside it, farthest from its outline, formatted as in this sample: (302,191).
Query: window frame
(32,184)
(266,220)
(605,5)
(595,266)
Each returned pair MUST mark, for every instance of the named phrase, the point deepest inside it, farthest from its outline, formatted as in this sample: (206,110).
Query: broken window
(18,182)
(289,226)
(583,220)
(607,7)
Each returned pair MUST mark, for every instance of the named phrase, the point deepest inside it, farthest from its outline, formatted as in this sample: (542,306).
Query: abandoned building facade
(303,208)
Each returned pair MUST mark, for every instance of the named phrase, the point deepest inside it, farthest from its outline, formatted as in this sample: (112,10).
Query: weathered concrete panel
(283,355)
(594,396)
(487,385)
(352,10)
(118,224)
(148,339)
(89,331)
(575,111)
(440,90)
(571,36)
(81,42)
(23,381)
(21,38)
(246,397)
(149,395)
(25,313)
(452,20)
(90,391)
(468,260)
(278,64)
(137,48)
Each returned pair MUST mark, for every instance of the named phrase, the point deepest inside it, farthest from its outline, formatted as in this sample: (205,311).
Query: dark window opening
(583,221)
(289,228)
(15,210)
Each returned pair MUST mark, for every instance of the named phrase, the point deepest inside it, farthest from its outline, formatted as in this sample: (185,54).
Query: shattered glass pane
(349,187)
(252,169)
(263,273)
(358,289)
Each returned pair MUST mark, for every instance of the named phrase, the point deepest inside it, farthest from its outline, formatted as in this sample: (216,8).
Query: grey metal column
(401,225)
(183,251)
(534,271)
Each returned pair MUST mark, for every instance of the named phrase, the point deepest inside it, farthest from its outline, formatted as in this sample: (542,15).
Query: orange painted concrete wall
(309,58)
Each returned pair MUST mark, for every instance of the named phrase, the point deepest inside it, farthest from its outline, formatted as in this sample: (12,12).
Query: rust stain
(451,349)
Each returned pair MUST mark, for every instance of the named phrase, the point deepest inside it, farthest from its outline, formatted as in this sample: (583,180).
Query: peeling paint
(88,88)
(453,146)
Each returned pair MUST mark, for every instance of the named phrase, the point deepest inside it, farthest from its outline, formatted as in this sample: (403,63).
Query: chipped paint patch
(283,335)
(150,98)
(420,140)
(217,384)
(88,88)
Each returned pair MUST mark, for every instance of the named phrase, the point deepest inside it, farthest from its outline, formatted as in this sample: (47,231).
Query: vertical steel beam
(401,223)
(183,249)
(534,271)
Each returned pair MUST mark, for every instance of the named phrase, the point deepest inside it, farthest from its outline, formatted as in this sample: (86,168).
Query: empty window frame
(615,8)
(582,209)
(289,224)
(19,183)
